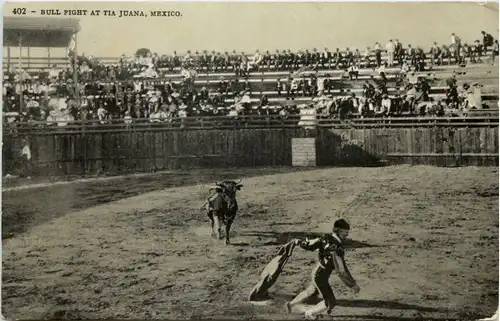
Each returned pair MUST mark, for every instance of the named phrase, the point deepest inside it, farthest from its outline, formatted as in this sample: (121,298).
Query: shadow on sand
(281,238)
(379,304)
(23,209)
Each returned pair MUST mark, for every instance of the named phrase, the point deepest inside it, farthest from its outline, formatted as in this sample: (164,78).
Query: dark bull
(222,207)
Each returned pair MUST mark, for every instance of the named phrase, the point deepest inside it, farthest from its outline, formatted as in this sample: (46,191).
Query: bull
(222,207)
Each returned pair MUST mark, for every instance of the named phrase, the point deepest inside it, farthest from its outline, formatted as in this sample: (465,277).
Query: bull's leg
(212,222)
(217,229)
(228,228)
(211,217)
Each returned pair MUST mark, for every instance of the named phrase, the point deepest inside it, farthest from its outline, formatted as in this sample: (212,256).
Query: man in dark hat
(331,257)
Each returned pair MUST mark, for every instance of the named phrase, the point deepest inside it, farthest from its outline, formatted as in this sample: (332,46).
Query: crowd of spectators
(135,87)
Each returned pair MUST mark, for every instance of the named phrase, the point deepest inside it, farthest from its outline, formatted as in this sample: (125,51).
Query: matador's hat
(341,224)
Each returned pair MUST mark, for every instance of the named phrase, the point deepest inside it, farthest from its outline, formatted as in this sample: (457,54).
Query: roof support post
(73,44)
(9,69)
(20,75)
(28,57)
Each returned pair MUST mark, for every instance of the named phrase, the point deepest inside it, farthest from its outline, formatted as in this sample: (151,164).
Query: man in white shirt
(320,84)
(390,47)
(26,159)
(54,72)
(474,97)
(386,104)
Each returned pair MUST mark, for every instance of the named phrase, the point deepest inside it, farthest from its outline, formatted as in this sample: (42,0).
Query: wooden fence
(125,151)
(76,153)
(438,145)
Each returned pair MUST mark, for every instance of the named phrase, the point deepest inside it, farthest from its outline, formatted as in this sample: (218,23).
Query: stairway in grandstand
(263,82)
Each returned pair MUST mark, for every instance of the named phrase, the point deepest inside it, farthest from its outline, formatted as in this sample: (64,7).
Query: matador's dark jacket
(330,257)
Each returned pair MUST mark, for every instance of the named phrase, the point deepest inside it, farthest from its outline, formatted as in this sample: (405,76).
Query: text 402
(19,11)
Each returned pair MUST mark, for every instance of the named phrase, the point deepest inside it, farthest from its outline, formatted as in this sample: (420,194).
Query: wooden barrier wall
(143,151)
(442,146)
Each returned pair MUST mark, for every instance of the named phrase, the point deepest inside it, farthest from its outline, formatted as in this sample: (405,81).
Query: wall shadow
(337,149)
(23,209)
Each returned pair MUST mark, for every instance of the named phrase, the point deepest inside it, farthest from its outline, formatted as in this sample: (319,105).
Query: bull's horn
(239,181)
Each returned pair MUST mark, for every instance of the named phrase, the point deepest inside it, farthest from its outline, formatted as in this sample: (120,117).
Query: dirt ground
(424,245)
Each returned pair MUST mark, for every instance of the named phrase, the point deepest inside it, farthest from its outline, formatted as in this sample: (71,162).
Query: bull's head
(228,188)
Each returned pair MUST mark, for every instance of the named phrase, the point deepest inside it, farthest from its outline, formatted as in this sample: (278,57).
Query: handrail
(319,120)
(117,59)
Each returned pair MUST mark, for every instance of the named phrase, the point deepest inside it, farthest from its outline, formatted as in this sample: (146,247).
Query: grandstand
(164,88)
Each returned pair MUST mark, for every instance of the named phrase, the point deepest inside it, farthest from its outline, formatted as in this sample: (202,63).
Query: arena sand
(424,245)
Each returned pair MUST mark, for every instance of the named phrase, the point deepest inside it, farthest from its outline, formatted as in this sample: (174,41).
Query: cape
(271,272)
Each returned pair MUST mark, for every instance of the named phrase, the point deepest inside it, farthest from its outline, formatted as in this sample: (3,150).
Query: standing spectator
(456,43)
(487,40)
(378,53)
(398,50)
(26,170)
(494,52)
(337,57)
(390,48)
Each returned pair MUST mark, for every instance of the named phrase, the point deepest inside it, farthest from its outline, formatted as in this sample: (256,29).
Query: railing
(37,63)
(238,122)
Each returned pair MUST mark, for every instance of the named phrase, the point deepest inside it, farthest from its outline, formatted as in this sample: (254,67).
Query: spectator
(398,51)
(456,43)
(487,40)
(54,73)
(366,57)
(325,58)
(390,48)
(494,52)
(320,84)
(436,54)
(473,96)
(26,170)
(378,54)
(353,71)
(386,104)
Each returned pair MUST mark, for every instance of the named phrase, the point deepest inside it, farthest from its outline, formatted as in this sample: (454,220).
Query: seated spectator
(474,97)
(386,104)
(54,73)
(435,52)
(320,85)
(353,71)
(366,57)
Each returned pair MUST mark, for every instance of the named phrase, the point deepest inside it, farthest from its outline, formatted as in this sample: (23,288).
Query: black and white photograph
(250,161)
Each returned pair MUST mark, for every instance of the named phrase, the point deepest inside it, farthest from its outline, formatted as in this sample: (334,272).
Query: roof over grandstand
(39,31)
